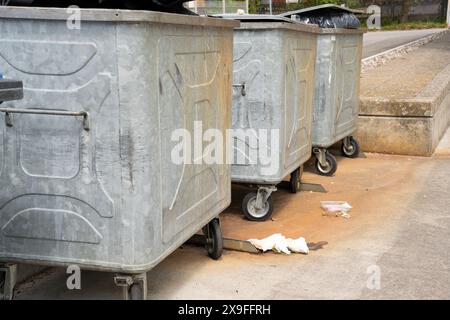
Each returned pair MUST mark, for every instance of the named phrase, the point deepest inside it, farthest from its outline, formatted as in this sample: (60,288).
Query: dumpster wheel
(253,213)
(295,181)
(350,147)
(214,239)
(331,165)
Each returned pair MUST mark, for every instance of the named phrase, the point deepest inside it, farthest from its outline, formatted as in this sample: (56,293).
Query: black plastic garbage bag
(171,6)
(325,16)
(331,20)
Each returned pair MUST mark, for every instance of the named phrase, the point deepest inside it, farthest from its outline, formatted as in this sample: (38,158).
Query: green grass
(413,25)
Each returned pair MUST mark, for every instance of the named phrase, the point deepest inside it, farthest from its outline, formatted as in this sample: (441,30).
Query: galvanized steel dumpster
(274,65)
(336,103)
(86,171)
(336,107)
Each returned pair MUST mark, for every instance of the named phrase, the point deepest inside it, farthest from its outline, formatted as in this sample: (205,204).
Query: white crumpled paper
(280,244)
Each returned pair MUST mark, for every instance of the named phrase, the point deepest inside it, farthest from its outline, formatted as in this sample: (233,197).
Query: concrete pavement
(400,226)
(377,42)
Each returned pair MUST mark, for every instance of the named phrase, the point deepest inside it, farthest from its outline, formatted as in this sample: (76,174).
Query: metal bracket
(243,88)
(126,281)
(123,280)
(8,278)
(346,142)
(262,195)
(321,155)
(9,122)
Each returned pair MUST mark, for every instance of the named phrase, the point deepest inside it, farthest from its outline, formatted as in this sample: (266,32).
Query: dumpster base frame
(134,287)
(9,280)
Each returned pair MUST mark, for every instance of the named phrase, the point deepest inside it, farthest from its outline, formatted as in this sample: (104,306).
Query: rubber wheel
(295,181)
(352,151)
(253,214)
(330,168)
(214,240)
(136,292)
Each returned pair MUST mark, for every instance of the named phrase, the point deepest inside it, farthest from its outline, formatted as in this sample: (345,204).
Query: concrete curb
(372,62)
(411,126)
(424,104)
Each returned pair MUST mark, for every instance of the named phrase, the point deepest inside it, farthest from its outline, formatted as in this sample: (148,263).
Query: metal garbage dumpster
(273,91)
(87,172)
(338,68)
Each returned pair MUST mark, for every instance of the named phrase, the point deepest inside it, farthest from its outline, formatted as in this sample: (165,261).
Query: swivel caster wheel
(253,212)
(214,239)
(330,166)
(350,147)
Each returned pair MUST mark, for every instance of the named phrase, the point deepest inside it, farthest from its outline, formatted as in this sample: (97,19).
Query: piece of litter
(266,243)
(280,244)
(336,208)
(345,215)
(298,245)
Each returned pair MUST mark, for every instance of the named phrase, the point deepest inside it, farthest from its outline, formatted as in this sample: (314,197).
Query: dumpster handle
(8,111)
(242,86)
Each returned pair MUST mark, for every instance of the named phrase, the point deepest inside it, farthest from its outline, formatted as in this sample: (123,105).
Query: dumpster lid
(114,15)
(264,21)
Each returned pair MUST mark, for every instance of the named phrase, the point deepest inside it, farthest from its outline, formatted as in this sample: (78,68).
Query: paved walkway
(406,76)
(377,42)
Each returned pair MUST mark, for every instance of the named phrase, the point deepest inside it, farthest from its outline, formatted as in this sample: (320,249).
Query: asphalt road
(377,42)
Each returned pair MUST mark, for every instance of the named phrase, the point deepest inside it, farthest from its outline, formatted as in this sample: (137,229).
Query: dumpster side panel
(324,109)
(337,87)
(347,83)
(259,107)
(61,185)
(193,95)
(299,94)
